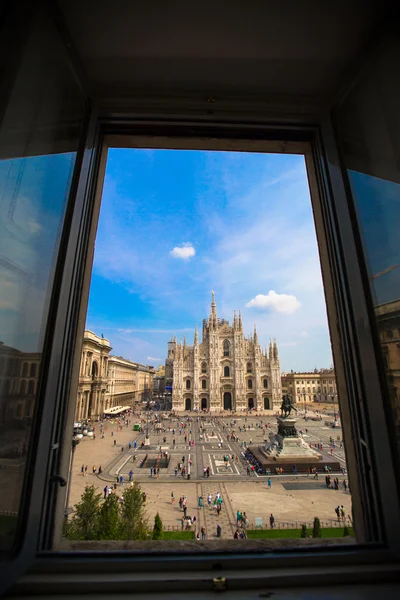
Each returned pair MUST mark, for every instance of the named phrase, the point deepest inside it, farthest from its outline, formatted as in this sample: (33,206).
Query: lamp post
(75,442)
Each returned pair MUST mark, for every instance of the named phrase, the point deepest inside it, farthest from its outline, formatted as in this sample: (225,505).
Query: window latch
(220,584)
(58,479)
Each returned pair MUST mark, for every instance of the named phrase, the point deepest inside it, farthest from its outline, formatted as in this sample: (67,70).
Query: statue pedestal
(289,446)
(147,441)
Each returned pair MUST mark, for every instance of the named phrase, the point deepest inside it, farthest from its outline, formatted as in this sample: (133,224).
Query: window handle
(58,479)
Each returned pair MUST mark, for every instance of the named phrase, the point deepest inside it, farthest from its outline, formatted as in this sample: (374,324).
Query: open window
(60,154)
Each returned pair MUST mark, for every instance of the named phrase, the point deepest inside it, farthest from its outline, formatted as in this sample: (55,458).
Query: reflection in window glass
(38,141)
(369,132)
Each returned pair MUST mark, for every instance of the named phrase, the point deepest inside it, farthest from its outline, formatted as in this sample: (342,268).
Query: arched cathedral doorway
(227,401)
(188,404)
(250,403)
(266,404)
(204,404)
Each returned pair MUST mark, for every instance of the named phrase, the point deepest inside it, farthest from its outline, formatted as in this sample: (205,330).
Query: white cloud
(154,359)
(304,334)
(283,303)
(184,251)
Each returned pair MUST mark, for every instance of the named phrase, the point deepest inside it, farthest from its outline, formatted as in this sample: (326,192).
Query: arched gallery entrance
(266,404)
(203,403)
(188,404)
(250,403)
(227,401)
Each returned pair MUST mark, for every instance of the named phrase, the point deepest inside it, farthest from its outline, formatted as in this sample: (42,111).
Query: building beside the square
(159,380)
(226,370)
(107,381)
(313,386)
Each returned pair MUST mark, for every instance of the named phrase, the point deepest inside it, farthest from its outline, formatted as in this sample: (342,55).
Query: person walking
(83,470)
(269,482)
(248,470)
(172,498)
(342,512)
(203,533)
(86,471)
(272,521)
(345,485)
(337,511)
(219,531)
(105,492)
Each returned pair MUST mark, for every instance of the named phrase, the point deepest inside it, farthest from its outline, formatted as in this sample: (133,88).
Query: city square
(201,442)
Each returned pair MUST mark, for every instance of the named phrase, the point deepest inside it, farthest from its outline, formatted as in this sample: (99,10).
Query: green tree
(158,528)
(317,528)
(346,531)
(84,525)
(133,516)
(304,532)
(110,526)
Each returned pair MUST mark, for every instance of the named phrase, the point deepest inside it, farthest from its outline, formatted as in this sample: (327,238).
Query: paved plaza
(202,442)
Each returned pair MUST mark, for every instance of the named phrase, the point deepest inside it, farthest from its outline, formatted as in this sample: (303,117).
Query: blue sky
(175,225)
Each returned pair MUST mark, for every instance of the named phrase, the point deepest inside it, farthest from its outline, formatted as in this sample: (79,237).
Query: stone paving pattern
(239,491)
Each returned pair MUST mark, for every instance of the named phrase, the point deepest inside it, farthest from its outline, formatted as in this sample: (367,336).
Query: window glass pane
(369,133)
(39,137)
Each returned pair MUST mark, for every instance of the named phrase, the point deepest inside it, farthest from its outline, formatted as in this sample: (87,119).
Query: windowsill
(155,569)
(213,545)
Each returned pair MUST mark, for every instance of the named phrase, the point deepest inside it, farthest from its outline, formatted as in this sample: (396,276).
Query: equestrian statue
(287,405)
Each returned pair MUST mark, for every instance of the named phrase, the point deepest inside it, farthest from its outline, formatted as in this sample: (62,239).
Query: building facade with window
(107,381)
(225,371)
(315,386)
(19,372)
(388,319)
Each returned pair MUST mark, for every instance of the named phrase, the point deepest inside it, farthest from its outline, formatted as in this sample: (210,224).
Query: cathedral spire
(275,350)
(240,322)
(213,305)
(235,321)
(270,349)
(213,313)
(196,336)
(255,335)
(184,341)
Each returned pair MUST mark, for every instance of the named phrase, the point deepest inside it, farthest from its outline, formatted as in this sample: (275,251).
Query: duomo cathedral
(226,370)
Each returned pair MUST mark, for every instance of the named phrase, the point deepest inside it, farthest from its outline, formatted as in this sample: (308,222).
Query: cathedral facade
(225,371)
